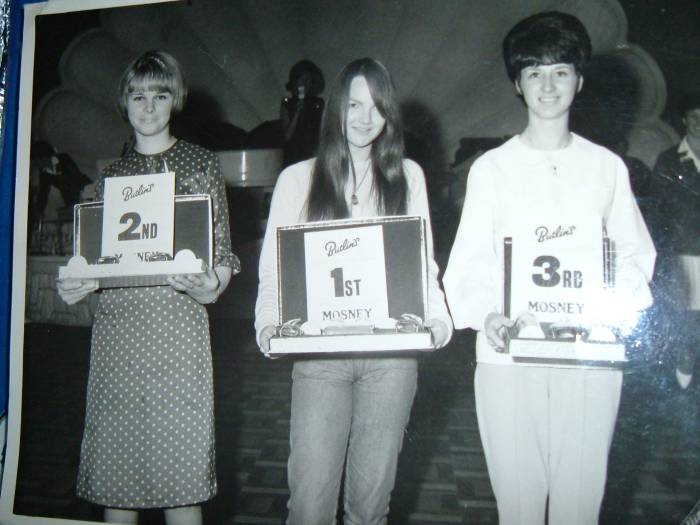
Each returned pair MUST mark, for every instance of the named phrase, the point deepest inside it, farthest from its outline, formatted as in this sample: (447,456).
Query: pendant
(354,200)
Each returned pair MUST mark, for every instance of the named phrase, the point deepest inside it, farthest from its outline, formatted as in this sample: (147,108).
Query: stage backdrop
(445,57)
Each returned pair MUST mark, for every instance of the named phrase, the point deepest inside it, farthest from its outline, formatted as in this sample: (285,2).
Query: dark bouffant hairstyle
(546,38)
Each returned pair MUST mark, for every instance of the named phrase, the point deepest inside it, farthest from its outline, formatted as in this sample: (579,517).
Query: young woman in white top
(349,413)
(546,431)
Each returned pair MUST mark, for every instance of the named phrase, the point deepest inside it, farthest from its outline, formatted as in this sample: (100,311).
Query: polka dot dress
(149,427)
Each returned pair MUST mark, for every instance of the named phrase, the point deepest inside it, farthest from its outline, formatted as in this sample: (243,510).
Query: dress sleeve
(471,278)
(100,185)
(418,205)
(223,254)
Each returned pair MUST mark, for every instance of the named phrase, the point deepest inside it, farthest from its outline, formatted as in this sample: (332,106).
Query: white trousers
(546,433)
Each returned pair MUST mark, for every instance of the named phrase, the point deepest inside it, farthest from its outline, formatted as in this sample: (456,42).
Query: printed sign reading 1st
(346,276)
(138,215)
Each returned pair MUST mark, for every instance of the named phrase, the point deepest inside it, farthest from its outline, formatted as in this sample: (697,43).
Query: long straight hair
(326,199)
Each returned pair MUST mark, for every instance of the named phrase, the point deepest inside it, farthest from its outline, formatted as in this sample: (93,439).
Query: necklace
(355,186)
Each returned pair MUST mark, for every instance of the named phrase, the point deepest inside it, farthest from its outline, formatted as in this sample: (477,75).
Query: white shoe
(683,379)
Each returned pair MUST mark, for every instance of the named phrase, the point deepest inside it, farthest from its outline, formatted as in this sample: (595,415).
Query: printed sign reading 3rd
(138,214)
(557,268)
(550,274)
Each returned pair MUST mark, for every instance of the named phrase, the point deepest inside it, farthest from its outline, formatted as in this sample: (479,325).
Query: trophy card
(192,244)
(352,286)
(557,277)
(138,215)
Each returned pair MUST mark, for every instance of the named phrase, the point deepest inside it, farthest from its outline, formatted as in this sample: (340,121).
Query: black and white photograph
(365,262)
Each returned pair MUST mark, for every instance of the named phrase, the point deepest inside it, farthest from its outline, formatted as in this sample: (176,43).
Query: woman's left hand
(440,333)
(203,287)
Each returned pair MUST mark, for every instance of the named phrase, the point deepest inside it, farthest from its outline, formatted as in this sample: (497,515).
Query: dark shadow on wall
(201,122)
(423,137)
(605,112)
(425,145)
(609,102)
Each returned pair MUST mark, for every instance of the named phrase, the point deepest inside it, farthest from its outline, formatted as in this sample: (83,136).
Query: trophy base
(379,341)
(132,272)
(573,353)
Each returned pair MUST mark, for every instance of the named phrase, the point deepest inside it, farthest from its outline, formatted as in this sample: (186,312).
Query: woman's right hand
(494,327)
(264,338)
(74,290)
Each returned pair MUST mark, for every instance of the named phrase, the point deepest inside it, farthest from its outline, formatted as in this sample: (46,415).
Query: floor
(654,472)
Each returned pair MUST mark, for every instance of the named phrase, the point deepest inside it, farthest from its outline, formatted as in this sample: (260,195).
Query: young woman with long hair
(349,413)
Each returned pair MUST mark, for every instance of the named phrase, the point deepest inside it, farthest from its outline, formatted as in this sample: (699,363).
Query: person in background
(546,431)
(148,440)
(300,113)
(349,414)
(676,230)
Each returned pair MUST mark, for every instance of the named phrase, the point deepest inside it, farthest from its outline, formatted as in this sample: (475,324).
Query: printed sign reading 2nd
(133,232)
(138,214)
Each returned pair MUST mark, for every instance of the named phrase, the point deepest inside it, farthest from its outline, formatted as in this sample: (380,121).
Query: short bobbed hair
(546,38)
(153,71)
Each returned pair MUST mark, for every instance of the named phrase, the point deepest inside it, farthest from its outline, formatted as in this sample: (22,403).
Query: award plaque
(559,277)
(192,245)
(352,286)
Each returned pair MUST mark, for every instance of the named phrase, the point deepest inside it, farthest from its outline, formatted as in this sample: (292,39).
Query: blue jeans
(357,408)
